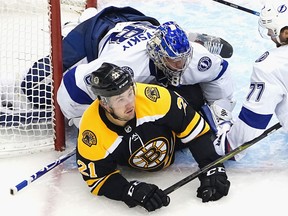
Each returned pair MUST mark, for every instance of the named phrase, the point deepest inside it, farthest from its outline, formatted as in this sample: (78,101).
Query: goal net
(29,123)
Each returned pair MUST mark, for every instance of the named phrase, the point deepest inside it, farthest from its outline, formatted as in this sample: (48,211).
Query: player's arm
(73,94)
(104,179)
(218,92)
(264,96)
(220,84)
(102,176)
(194,131)
(212,73)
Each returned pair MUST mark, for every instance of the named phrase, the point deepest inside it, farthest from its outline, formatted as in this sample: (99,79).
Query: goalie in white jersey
(269,82)
(96,36)
(157,54)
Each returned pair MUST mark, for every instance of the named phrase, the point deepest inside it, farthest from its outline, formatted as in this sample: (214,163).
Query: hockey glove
(221,143)
(146,195)
(214,184)
(219,115)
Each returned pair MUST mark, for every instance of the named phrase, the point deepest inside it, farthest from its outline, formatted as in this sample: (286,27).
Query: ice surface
(258,182)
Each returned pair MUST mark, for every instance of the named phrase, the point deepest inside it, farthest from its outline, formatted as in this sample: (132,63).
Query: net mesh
(27,122)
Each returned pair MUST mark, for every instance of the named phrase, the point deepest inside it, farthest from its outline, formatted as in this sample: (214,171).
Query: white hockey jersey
(125,46)
(267,95)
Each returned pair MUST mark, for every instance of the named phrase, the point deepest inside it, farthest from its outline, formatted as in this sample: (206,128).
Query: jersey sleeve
(73,95)
(102,176)
(184,120)
(222,87)
(264,94)
(192,130)
(96,145)
(264,97)
(212,72)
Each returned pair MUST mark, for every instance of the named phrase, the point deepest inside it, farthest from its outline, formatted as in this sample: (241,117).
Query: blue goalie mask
(170,50)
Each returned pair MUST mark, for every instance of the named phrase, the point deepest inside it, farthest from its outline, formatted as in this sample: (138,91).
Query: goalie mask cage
(31,30)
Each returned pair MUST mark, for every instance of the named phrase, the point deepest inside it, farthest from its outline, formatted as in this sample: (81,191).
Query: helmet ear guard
(103,100)
(110,80)
(170,42)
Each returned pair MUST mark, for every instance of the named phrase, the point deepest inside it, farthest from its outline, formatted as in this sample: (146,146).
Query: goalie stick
(238,7)
(41,172)
(222,159)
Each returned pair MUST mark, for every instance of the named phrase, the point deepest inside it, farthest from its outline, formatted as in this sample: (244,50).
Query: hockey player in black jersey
(133,124)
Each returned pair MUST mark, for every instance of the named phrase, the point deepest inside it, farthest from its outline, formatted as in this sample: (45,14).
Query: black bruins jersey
(147,142)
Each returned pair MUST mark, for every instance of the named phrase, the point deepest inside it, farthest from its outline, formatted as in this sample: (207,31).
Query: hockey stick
(238,7)
(221,159)
(41,172)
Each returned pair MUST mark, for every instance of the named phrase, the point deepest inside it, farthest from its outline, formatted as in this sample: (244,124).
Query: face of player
(177,64)
(283,37)
(123,105)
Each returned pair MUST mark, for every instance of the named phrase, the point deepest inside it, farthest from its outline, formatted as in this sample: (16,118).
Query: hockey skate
(215,45)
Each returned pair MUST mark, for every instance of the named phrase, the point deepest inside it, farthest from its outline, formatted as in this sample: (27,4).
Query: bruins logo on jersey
(153,155)
(89,138)
(152,93)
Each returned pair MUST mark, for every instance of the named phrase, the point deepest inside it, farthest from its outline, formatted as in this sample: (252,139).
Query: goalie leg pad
(209,117)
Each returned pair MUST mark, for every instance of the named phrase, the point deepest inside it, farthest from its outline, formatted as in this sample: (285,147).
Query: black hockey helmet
(110,80)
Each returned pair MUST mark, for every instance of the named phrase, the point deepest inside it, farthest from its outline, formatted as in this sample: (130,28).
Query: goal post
(30,118)
(56,50)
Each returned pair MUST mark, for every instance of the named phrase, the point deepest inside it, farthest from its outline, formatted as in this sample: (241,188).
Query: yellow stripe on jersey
(93,142)
(197,127)
(96,184)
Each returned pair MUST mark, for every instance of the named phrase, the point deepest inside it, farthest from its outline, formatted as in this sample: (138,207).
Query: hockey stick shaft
(238,7)
(222,159)
(41,172)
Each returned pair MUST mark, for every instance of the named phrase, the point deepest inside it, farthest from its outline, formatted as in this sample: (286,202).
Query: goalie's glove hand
(213,184)
(146,195)
(221,143)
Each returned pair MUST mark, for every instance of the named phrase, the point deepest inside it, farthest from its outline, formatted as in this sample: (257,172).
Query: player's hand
(146,195)
(213,184)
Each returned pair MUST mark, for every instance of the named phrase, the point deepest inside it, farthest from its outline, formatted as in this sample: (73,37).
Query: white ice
(258,182)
